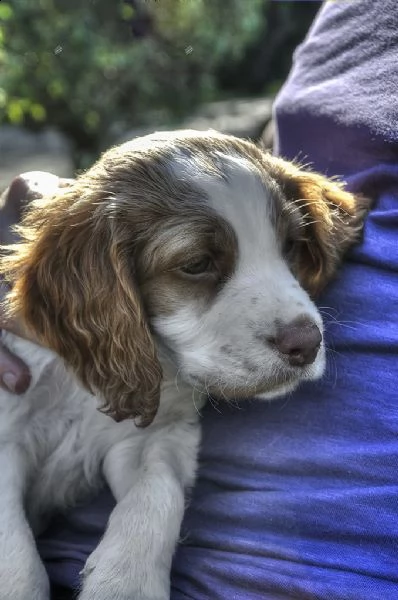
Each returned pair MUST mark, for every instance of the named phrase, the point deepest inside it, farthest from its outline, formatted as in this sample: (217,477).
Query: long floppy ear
(72,284)
(333,217)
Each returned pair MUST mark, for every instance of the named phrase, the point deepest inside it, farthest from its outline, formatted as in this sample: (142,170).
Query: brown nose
(299,341)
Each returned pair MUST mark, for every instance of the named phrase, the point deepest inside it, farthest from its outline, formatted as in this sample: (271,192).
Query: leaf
(6,11)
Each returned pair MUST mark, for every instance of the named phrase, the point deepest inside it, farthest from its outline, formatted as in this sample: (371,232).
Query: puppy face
(200,244)
(233,313)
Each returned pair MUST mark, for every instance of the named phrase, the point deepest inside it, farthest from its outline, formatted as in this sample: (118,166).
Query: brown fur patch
(332,221)
(164,285)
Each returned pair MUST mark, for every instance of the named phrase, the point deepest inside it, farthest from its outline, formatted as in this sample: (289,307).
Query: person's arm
(14,374)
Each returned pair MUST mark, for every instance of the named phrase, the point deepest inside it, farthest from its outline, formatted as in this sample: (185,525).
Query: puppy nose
(299,341)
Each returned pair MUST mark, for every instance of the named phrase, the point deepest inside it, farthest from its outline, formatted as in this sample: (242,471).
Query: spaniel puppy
(180,265)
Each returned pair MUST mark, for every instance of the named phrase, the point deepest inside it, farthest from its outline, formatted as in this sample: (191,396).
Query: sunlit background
(77,76)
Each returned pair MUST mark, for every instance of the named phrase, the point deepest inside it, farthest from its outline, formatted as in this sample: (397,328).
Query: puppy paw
(109,576)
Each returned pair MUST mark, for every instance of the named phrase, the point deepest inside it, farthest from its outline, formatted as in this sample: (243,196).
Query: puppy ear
(333,218)
(73,287)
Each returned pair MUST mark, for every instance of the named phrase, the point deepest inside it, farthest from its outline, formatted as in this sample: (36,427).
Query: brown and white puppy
(180,265)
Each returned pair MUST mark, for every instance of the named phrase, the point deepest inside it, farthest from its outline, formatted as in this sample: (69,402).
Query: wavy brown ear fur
(334,220)
(72,286)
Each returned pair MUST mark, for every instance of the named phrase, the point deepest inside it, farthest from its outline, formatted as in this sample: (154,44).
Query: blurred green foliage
(94,68)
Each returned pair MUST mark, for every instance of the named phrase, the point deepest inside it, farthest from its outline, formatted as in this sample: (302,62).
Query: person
(298,498)
(14,374)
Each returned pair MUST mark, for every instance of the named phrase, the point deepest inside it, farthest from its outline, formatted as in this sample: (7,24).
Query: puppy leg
(22,574)
(133,560)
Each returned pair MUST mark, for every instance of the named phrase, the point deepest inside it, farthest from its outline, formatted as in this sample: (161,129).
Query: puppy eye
(289,246)
(198,267)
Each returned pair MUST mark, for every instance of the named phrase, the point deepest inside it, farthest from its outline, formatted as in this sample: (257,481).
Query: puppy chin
(312,374)
(279,391)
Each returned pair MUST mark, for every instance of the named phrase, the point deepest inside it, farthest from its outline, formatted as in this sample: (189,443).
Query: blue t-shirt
(299,498)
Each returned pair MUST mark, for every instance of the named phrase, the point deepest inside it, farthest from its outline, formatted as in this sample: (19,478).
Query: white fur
(56,448)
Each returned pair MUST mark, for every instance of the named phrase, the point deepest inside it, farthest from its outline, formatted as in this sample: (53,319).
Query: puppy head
(244,323)
(199,243)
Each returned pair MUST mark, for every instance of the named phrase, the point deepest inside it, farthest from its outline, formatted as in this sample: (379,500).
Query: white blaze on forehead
(242,199)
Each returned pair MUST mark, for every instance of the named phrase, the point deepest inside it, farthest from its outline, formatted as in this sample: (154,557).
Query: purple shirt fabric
(299,498)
